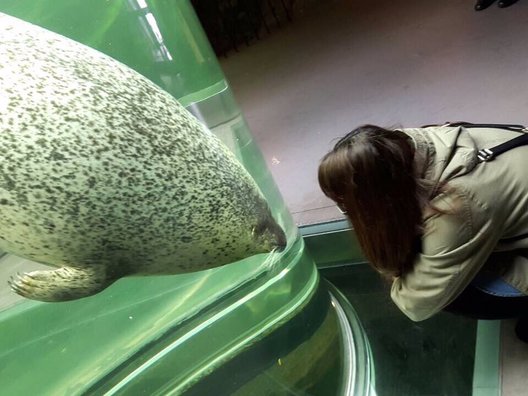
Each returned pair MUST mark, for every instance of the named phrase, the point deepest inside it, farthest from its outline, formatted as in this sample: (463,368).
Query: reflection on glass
(141,3)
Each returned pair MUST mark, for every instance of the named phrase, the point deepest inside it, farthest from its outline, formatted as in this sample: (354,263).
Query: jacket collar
(442,154)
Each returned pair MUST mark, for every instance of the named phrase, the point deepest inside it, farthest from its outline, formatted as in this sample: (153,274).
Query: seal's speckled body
(105,175)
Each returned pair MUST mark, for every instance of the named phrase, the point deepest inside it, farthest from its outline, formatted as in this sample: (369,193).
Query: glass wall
(170,334)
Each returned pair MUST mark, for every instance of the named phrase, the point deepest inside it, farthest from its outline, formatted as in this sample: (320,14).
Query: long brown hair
(370,174)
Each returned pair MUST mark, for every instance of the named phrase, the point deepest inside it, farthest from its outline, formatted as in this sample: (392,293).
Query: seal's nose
(281,238)
(271,233)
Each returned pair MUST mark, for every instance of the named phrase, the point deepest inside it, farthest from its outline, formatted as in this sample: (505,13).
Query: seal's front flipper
(62,284)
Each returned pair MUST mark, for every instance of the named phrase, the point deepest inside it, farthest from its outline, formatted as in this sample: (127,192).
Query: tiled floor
(389,62)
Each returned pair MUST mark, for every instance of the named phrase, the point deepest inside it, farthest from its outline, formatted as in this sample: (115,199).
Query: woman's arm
(455,246)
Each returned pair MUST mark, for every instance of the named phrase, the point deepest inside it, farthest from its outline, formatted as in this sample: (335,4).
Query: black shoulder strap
(485,155)
(509,127)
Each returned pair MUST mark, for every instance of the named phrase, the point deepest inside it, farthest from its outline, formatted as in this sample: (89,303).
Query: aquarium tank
(265,325)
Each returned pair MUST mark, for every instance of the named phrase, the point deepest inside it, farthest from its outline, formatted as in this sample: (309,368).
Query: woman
(449,232)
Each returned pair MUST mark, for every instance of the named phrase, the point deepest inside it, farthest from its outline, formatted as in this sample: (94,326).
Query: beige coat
(488,224)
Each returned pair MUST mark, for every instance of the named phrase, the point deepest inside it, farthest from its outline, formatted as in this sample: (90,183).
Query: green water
(159,335)
(160,39)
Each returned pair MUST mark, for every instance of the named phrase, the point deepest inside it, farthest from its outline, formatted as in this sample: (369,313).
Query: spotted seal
(105,175)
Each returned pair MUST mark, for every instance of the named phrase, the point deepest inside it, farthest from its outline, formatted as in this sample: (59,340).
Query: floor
(388,62)
(406,353)
(514,362)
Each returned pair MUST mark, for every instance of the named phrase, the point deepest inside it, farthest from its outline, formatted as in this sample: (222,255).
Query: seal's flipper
(62,284)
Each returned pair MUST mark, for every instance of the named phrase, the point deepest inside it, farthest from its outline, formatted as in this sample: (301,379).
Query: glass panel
(433,357)
(163,334)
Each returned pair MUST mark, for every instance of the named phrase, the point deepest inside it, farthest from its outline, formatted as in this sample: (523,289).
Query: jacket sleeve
(455,245)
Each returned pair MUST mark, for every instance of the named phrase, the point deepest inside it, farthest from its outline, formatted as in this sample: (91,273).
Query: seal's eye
(259,228)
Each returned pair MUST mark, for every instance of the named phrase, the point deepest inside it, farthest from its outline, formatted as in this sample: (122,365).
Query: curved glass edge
(302,356)
(232,326)
(360,365)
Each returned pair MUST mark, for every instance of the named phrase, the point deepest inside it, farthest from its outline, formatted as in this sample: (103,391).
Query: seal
(105,175)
